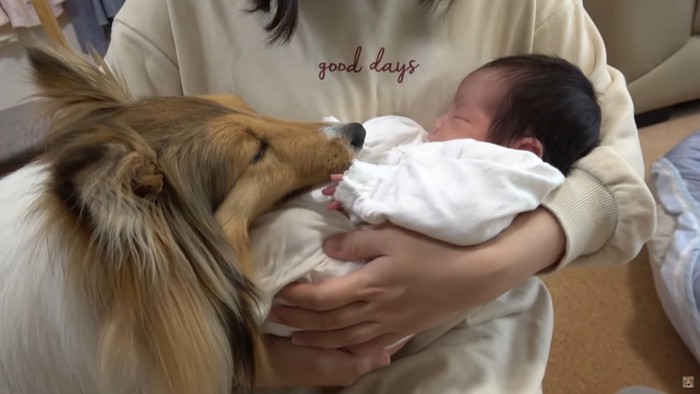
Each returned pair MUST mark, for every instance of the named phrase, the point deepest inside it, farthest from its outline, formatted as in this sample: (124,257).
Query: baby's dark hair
(548,98)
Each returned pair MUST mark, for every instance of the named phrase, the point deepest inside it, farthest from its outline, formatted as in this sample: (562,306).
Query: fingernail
(382,360)
(331,245)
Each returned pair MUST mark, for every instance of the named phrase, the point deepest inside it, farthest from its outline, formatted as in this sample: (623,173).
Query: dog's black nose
(357,135)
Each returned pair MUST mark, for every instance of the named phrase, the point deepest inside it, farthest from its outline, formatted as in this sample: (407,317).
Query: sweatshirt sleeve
(606,210)
(461,192)
(142,51)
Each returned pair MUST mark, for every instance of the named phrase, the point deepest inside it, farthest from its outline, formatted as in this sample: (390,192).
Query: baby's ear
(530,144)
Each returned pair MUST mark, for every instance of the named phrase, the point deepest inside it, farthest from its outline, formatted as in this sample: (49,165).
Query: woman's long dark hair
(283,24)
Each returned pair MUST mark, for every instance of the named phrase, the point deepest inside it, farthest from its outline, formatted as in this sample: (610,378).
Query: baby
(515,128)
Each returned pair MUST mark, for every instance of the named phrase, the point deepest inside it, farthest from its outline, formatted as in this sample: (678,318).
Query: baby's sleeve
(462,192)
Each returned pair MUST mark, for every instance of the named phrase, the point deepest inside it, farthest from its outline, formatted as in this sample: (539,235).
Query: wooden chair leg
(48,20)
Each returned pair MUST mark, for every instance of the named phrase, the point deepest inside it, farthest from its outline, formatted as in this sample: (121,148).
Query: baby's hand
(330,190)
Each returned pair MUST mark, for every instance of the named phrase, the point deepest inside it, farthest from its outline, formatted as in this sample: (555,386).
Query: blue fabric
(685,157)
(105,10)
(676,184)
(111,7)
(91,20)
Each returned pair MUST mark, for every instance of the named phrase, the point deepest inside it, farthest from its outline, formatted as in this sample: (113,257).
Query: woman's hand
(298,366)
(412,283)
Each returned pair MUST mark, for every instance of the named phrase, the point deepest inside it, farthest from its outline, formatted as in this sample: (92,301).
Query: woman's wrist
(534,243)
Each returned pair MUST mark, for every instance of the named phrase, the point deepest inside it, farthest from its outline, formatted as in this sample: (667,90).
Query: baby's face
(470,114)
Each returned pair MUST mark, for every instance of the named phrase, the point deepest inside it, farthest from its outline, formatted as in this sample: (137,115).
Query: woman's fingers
(307,319)
(296,366)
(349,336)
(356,245)
(340,368)
(331,294)
(392,343)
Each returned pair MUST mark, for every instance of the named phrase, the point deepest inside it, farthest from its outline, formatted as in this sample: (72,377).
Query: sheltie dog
(124,251)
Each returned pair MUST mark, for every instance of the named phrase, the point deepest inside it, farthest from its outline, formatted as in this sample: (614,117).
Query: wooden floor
(610,330)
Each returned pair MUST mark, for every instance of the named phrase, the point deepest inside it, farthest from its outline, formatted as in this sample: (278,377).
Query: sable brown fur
(152,199)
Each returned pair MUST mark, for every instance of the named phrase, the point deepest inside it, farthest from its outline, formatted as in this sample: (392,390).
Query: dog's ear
(107,172)
(68,78)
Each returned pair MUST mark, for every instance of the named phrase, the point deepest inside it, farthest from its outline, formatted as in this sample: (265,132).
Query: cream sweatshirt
(358,59)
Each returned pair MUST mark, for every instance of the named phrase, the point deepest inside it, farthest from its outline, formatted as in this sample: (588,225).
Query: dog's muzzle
(355,133)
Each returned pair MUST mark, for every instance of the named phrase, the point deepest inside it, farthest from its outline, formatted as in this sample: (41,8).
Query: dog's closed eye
(262,149)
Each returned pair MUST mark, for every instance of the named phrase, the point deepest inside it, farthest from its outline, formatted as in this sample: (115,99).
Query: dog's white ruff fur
(47,334)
